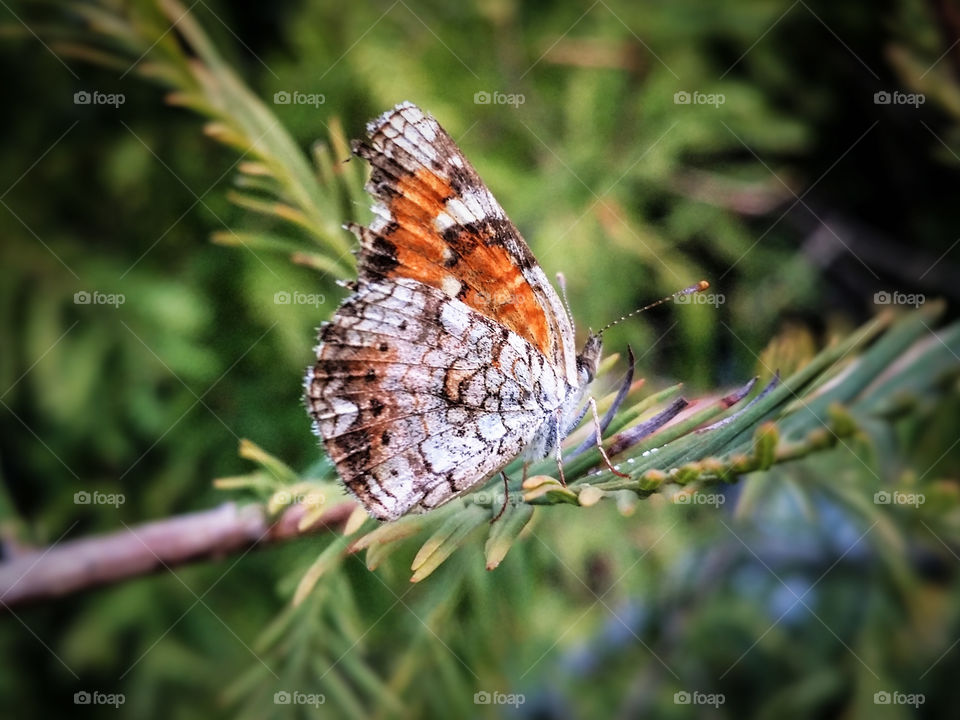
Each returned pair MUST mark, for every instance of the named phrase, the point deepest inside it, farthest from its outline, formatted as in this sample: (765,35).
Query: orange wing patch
(467,261)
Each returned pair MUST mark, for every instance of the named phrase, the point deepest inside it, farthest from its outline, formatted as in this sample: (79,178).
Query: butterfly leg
(603,453)
(506,495)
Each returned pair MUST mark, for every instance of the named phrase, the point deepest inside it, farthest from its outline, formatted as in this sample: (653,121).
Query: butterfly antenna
(698,287)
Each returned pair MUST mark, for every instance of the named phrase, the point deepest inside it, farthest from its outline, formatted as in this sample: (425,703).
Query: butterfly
(454,354)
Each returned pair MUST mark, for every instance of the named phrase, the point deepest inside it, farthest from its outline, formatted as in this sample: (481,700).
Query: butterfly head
(589,359)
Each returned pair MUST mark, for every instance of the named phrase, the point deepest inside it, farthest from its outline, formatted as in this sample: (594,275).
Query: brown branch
(92,562)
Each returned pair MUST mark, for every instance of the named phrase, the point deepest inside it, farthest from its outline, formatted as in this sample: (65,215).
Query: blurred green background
(786,181)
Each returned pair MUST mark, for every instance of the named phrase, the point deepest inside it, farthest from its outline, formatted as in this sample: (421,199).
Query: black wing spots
(382,188)
(379,258)
(394,154)
(353,448)
(403,325)
(349,308)
(364,368)
(491,231)
(505,334)
(375,406)
(460,179)
(332,368)
(382,184)
(461,239)
(450,483)
(358,486)
(519,250)
(499,229)
(356,450)
(356,228)
(363,479)
(388,174)
(332,334)
(390,162)
(362,149)
(385,438)
(453,257)
(387,171)
(496,232)
(381,426)
(346,336)
(493,327)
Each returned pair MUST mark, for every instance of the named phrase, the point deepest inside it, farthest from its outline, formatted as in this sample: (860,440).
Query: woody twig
(87,563)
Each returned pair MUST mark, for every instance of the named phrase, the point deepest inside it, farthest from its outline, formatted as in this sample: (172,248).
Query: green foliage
(834,399)
(776,557)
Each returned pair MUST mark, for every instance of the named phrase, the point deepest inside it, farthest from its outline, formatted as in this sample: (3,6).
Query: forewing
(437,223)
